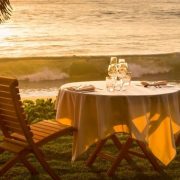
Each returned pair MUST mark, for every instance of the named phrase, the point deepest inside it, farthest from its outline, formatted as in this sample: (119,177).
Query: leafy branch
(39,109)
(5,10)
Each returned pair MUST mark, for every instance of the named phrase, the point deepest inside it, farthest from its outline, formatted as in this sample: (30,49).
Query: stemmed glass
(121,75)
(121,72)
(123,64)
(127,78)
(112,71)
(113,60)
(112,68)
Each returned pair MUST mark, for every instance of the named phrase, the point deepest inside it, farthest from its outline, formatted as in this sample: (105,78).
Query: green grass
(58,155)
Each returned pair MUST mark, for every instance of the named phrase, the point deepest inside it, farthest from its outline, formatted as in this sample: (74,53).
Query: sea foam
(139,70)
(44,75)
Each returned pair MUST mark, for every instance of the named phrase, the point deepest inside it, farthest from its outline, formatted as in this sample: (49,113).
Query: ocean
(43,76)
(90,27)
(76,28)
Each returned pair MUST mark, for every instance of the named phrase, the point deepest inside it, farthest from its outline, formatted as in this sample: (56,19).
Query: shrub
(39,109)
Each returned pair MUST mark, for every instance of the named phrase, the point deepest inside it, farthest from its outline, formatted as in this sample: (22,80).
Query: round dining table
(149,114)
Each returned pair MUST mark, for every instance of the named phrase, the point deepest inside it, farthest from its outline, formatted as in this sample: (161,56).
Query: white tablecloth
(151,115)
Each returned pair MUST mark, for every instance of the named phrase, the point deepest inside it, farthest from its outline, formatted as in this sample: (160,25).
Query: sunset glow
(5,32)
(81,27)
(104,72)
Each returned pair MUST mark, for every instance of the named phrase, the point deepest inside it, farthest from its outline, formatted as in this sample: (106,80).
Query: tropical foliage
(39,109)
(5,10)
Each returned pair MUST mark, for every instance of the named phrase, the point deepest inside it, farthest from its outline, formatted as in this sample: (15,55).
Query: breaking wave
(140,70)
(44,75)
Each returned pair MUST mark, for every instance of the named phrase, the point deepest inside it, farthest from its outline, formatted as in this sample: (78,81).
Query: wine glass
(127,78)
(112,70)
(113,60)
(122,63)
(110,83)
(121,72)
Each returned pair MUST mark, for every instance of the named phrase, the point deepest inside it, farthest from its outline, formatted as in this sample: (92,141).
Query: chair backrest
(12,116)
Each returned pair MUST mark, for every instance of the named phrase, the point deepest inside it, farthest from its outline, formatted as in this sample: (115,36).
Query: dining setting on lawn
(149,112)
(146,113)
(89,90)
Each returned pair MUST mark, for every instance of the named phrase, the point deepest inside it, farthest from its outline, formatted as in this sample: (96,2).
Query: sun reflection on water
(5,34)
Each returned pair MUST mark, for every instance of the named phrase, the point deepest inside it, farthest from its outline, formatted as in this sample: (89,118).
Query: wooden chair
(18,136)
(124,153)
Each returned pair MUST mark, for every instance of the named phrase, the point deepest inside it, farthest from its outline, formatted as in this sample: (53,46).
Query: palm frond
(5,10)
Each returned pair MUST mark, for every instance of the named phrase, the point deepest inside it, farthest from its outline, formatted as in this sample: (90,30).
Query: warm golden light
(65,121)
(5,32)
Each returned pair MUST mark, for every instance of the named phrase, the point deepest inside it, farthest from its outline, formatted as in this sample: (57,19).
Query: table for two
(150,115)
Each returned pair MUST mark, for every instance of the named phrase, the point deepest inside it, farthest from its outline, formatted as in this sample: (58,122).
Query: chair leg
(8,165)
(39,155)
(1,150)
(121,155)
(93,156)
(150,157)
(31,169)
(177,140)
(127,156)
(119,146)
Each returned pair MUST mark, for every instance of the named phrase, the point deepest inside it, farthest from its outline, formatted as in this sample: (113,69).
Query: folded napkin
(156,83)
(82,88)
